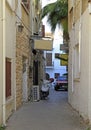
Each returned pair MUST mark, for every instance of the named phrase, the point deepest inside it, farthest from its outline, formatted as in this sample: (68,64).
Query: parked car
(61,83)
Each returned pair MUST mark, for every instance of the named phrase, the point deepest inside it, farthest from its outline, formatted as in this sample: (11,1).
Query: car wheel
(66,89)
(56,88)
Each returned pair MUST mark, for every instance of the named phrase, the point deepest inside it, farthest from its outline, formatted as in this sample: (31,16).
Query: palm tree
(57,13)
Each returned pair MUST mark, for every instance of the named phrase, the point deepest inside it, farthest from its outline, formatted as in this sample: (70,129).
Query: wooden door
(8,78)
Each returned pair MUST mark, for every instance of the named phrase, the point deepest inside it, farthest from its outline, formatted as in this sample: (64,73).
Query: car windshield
(63,78)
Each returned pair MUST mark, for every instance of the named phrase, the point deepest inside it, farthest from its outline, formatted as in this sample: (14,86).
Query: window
(48,59)
(77,61)
(8,78)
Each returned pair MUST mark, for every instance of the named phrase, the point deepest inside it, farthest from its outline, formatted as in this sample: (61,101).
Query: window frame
(77,61)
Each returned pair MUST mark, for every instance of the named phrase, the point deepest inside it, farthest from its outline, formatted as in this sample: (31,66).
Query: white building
(79,92)
(53,65)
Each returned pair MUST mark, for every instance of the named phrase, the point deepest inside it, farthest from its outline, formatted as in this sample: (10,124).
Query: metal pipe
(4,89)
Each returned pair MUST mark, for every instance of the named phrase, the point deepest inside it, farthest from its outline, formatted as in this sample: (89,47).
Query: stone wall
(22,50)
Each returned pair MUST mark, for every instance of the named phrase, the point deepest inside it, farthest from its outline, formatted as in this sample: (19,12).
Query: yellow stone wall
(22,50)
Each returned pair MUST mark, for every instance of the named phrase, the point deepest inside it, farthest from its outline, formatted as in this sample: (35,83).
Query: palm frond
(47,9)
(56,12)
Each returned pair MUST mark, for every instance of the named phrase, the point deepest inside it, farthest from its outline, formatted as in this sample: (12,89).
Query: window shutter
(48,59)
(8,78)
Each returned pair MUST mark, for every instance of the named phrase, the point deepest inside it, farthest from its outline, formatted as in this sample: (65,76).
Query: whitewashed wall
(57,68)
(10,50)
(1,62)
(89,93)
(80,89)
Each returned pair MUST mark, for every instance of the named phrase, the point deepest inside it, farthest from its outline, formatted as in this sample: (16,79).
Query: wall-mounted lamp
(89,6)
(20,27)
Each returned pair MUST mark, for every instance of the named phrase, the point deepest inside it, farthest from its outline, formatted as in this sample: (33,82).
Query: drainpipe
(4,114)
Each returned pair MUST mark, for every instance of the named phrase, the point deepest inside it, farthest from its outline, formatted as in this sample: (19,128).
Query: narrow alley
(52,114)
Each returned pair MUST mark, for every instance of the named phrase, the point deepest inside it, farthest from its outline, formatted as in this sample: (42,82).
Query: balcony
(43,44)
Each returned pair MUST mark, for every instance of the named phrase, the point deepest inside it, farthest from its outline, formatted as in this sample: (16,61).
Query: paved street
(52,114)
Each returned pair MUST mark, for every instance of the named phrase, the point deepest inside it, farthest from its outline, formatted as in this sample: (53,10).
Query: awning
(63,59)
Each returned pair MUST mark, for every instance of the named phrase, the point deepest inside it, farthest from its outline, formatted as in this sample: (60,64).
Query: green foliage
(2,128)
(89,128)
(56,12)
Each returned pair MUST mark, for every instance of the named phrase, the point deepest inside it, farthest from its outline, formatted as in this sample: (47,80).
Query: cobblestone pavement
(53,113)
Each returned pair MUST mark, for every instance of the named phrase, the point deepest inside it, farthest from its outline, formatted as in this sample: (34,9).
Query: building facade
(7,68)
(2,62)
(23,52)
(53,64)
(79,21)
(22,63)
(17,19)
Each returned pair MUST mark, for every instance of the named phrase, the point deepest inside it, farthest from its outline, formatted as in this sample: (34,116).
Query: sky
(58,32)
(45,2)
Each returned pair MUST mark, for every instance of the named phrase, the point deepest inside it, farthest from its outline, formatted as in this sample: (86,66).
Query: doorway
(25,81)
(35,73)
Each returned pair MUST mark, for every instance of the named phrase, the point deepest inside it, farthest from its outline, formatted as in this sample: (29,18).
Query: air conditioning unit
(36,93)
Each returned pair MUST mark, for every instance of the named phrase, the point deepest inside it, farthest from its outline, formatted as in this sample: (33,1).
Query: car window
(62,78)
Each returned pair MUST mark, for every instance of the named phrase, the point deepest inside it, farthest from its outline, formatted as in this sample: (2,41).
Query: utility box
(36,93)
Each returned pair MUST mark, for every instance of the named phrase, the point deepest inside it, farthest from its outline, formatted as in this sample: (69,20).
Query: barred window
(48,59)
